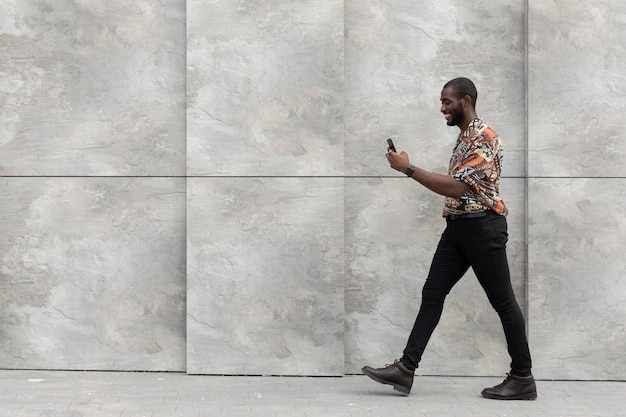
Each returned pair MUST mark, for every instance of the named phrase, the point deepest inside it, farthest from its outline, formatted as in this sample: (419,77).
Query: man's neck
(466,122)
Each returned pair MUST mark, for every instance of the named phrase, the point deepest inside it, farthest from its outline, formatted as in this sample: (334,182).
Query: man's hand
(441,184)
(398,161)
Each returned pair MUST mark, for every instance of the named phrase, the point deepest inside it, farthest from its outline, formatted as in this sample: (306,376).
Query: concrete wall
(93,194)
(257,228)
(576,188)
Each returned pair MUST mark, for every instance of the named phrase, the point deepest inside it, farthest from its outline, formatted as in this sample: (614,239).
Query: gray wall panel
(265,88)
(92,274)
(92,88)
(265,276)
(576,267)
(576,88)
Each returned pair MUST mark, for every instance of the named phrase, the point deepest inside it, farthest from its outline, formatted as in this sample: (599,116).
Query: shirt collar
(470,127)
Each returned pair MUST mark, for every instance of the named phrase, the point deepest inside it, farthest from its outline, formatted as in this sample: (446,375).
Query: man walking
(475,236)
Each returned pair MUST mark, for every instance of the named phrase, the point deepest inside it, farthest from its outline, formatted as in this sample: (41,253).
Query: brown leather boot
(513,388)
(395,374)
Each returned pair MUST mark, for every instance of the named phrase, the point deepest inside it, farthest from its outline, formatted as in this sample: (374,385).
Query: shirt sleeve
(476,164)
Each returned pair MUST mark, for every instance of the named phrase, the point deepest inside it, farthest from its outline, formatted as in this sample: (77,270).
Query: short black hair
(464,87)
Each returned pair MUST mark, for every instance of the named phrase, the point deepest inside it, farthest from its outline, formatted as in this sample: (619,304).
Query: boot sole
(397,387)
(524,397)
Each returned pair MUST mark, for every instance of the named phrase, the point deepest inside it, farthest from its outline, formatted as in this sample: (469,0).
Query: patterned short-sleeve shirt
(476,160)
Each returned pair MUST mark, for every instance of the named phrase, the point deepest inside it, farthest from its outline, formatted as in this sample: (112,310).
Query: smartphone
(392,148)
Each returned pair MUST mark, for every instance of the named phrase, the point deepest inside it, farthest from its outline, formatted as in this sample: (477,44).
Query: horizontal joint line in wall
(285,176)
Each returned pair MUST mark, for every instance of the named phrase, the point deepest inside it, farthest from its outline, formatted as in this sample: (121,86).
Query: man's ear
(467,101)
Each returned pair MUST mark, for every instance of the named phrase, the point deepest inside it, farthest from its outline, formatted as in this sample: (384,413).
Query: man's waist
(472,215)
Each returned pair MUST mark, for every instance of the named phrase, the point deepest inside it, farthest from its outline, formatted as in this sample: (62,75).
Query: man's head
(463,87)
(458,102)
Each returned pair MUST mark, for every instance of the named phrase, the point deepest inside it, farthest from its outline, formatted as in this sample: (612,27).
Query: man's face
(452,107)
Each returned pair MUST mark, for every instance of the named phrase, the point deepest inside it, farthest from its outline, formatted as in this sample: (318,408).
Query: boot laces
(506,380)
(392,365)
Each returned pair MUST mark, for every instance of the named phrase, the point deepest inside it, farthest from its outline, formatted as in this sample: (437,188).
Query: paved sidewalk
(136,394)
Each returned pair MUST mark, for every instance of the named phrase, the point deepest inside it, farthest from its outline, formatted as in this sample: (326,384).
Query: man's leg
(489,261)
(447,267)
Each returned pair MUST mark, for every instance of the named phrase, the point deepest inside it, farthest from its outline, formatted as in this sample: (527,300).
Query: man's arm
(440,184)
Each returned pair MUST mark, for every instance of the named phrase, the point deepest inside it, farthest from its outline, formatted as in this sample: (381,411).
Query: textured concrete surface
(92,273)
(576,188)
(114,394)
(92,88)
(576,88)
(265,88)
(265,276)
(201,186)
(577,293)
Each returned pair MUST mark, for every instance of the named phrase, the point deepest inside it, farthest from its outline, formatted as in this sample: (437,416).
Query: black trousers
(479,243)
